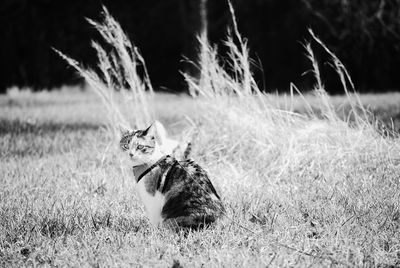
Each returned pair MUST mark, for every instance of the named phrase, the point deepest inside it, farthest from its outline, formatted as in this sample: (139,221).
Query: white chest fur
(152,203)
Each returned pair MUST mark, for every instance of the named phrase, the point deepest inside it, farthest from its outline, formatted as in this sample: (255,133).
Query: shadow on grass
(25,139)
(17,127)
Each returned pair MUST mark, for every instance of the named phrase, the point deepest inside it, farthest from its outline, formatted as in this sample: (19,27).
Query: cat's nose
(131,154)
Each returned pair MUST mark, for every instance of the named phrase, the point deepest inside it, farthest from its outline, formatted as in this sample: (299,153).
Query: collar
(144,169)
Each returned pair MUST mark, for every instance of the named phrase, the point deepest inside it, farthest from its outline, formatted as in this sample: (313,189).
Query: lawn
(306,179)
(67,199)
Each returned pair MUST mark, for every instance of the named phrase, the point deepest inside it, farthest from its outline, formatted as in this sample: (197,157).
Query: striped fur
(190,198)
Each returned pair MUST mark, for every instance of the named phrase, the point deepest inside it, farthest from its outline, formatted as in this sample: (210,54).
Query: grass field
(307,180)
(65,200)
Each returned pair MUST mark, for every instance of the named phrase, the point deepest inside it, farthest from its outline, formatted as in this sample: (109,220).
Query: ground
(66,201)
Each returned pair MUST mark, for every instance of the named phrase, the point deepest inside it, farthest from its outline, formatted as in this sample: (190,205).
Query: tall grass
(234,102)
(117,78)
(326,166)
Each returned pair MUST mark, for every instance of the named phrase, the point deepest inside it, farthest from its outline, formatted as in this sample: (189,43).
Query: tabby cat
(175,193)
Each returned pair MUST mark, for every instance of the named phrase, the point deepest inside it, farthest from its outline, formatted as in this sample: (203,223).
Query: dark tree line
(364,34)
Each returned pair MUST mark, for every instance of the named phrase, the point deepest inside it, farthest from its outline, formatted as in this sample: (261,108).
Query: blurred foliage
(364,34)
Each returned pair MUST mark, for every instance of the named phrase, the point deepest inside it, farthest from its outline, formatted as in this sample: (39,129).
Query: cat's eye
(140,147)
(125,147)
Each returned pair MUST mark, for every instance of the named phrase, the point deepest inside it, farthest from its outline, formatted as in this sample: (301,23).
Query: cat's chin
(146,161)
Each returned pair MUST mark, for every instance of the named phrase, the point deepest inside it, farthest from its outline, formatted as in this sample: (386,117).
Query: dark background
(365,35)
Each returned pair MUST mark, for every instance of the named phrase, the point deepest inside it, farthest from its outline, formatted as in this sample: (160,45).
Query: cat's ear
(157,130)
(161,131)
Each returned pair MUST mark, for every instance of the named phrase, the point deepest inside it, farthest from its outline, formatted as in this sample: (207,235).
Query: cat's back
(189,193)
(188,175)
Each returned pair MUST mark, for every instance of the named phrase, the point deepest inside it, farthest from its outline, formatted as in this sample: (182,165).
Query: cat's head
(142,146)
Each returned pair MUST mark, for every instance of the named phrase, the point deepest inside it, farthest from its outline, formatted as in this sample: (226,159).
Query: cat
(175,193)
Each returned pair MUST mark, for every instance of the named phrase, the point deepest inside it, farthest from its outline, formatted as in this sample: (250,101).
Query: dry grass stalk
(118,81)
